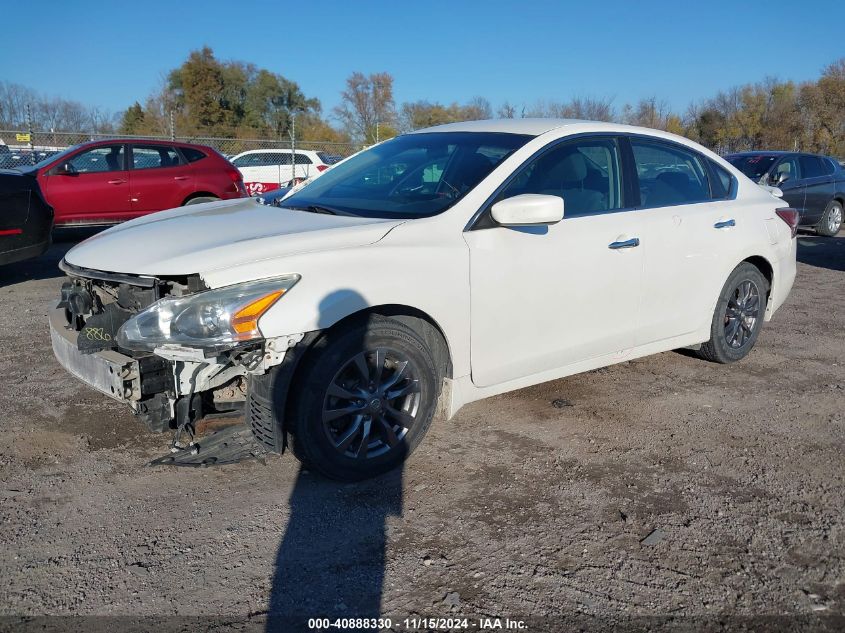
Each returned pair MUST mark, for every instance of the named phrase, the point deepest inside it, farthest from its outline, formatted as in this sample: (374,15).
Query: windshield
(412,176)
(49,159)
(754,166)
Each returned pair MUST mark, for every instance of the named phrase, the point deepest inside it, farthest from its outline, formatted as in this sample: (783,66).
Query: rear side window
(811,166)
(192,155)
(830,165)
(154,156)
(585,173)
(722,183)
(302,159)
(669,174)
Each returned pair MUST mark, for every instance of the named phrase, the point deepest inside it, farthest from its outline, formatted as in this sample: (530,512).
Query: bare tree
(367,110)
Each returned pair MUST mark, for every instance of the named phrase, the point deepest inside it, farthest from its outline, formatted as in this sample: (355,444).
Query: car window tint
(585,173)
(192,155)
(302,159)
(668,174)
(811,166)
(829,165)
(788,166)
(99,159)
(721,186)
(154,156)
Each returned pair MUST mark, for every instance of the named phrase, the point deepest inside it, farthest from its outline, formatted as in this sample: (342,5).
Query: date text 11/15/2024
(419,623)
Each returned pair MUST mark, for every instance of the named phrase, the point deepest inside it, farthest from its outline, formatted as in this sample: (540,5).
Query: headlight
(214,318)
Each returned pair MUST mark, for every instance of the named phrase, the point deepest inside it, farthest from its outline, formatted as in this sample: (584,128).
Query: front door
(793,187)
(548,296)
(95,190)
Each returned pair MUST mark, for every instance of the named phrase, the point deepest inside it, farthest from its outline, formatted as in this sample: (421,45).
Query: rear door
(158,179)
(685,234)
(818,187)
(95,191)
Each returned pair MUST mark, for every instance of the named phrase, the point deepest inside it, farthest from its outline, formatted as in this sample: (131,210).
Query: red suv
(104,182)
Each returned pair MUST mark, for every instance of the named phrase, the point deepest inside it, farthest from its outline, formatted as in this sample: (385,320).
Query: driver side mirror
(66,169)
(528,209)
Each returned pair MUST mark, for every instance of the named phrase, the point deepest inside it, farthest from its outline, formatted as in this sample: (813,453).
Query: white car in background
(429,271)
(266,169)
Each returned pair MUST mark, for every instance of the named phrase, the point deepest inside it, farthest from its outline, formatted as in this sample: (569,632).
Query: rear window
(191,154)
(754,166)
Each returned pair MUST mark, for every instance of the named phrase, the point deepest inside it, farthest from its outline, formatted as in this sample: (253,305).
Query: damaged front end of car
(173,349)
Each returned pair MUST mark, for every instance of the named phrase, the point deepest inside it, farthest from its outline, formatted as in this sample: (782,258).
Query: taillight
(322,167)
(791,217)
(234,174)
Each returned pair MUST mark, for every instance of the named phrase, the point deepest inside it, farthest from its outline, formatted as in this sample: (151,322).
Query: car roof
(534,127)
(276,151)
(538,127)
(774,152)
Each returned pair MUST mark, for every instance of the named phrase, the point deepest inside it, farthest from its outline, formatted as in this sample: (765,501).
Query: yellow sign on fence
(22,138)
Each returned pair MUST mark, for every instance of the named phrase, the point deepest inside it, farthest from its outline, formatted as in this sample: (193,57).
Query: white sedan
(434,269)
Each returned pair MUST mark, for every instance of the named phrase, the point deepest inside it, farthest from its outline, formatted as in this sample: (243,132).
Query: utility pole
(172,127)
(29,131)
(293,144)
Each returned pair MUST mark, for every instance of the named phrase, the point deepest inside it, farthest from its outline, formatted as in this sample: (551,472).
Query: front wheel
(831,220)
(363,398)
(738,317)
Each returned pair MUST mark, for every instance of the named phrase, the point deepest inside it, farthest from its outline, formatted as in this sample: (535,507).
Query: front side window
(410,176)
(668,174)
(585,173)
(99,159)
(154,156)
(786,169)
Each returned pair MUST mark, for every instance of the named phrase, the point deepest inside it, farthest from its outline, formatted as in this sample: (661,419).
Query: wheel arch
(199,194)
(418,320)
(764,266)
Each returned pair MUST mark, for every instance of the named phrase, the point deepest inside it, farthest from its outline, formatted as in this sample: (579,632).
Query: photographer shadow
(331,560)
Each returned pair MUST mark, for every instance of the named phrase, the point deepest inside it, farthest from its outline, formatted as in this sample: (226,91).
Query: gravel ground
(664,491)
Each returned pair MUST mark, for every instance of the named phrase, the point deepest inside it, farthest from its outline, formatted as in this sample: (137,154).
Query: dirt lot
(516,508)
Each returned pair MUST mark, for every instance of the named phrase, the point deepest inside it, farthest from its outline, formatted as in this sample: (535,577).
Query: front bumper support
(114,374)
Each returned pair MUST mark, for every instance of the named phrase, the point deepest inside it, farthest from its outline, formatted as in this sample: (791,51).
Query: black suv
(814,185)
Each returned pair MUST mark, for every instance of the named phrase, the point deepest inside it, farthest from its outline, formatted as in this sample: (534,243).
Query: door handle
(180,177)
(632,243)
(724,224)
(118,181)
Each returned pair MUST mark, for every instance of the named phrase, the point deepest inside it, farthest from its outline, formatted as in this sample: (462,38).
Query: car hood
(218,235)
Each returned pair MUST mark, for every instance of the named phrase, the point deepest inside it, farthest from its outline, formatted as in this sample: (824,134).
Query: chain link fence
(18,147)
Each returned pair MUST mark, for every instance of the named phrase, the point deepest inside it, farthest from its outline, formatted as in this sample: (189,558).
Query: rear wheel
(738,317)
(831,220)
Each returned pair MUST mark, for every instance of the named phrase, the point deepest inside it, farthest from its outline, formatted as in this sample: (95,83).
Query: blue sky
(112,53)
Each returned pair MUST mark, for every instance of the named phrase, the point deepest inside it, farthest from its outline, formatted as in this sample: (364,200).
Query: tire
(331,407)
(200,200)
(831,221)
(738,317)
